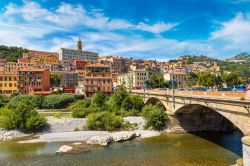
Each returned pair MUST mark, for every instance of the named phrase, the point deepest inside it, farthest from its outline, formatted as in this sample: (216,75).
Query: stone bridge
(234,106)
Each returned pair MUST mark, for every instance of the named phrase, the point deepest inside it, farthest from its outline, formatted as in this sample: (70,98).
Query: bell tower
(79,44)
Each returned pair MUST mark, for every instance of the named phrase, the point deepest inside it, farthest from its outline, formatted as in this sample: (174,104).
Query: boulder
(64,149)
(123,136)
(99,140)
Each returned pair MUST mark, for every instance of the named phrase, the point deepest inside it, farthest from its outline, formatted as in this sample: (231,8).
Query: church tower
(79,44)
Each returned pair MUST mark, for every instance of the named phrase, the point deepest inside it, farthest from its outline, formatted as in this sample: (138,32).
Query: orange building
(42,57)
(98,78)
(33,81)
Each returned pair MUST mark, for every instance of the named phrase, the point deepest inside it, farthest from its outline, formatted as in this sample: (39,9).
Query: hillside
(11,53)
(242,56)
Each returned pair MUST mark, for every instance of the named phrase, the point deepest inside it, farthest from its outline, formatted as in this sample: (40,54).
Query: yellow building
(8,83)
(11,67)
(41,57)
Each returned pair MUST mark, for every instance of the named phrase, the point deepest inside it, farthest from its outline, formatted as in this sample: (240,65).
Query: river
(202,149)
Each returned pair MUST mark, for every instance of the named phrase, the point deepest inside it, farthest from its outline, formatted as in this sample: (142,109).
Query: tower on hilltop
(79,44)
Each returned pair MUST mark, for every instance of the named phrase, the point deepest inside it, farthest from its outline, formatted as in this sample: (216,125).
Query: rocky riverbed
(11,134)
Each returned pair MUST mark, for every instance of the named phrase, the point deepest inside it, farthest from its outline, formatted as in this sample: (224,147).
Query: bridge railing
(227,94)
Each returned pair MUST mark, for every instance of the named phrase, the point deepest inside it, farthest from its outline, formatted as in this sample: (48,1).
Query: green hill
(11,53)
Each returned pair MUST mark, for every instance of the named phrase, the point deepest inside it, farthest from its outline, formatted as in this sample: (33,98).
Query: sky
(142,29)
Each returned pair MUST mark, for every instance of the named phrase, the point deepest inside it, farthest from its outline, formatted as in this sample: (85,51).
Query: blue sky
(149,29)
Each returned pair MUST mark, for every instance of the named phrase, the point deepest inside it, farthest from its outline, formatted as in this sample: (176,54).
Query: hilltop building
(77,54)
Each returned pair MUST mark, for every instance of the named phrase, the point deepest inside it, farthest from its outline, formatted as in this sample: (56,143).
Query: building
(123,80)
(80,64)
(180,79)
(11,67)
(2,64)
(77,54)
(81,76)
(41,57)
(98,78)
(8,83)
(33,81)
(69,79)
(137,78)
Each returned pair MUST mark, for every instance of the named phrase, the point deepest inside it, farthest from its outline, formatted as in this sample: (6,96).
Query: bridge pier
(246,150)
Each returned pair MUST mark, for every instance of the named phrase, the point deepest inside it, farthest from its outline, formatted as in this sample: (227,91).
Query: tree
(192,79)
(133,104)
(206,79)
(55,79)
(232,79)
(156,80)
(118,96)
(98,99)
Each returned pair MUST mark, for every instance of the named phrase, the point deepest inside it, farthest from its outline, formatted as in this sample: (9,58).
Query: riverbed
(203,149)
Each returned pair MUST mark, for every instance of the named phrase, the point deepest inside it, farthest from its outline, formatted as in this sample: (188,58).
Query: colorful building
(41,57)
(33,81)
(137,78)
(98,78)
(8,83)
(179,78)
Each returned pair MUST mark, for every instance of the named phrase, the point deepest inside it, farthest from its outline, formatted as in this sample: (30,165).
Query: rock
(123,136)
(64,149)
(99,140)
(148,133)
(239,162)
(77,143)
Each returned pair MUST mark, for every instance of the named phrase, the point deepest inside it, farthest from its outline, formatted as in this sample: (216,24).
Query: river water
(203,149)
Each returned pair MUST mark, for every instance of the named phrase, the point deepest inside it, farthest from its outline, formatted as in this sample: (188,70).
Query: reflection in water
(171,150)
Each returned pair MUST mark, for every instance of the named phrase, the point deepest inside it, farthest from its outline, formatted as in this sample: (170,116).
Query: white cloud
(156,28)
(68,15)
(236,30)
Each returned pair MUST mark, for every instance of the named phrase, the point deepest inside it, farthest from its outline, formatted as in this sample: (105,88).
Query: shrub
(3,100)
(35,100)
(133,104)
(57,101)
(104,121)
(155,117)
(80,109)
(35,122)
(22,116)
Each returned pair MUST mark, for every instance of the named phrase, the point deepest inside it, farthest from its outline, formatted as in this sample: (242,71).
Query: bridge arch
(212,119)
(155,100)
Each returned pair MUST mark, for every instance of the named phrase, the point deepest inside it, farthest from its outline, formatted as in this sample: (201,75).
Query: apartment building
(33,81)
(137,78)
(69,79)
(180,79)
(98,78)
(8,83)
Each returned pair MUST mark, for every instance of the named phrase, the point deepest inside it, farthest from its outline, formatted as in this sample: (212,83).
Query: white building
(138,78)
(77,54)
(179,78)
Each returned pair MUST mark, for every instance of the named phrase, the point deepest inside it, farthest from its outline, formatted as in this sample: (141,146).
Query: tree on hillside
(232,79)
(156,80)
(206,79)
(192,79)
(55,79)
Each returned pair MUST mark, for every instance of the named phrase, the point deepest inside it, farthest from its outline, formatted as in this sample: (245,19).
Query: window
(10,84)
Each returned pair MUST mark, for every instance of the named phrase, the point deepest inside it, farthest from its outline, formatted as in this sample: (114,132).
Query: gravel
(55,125)
(10,134)
(136,119)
